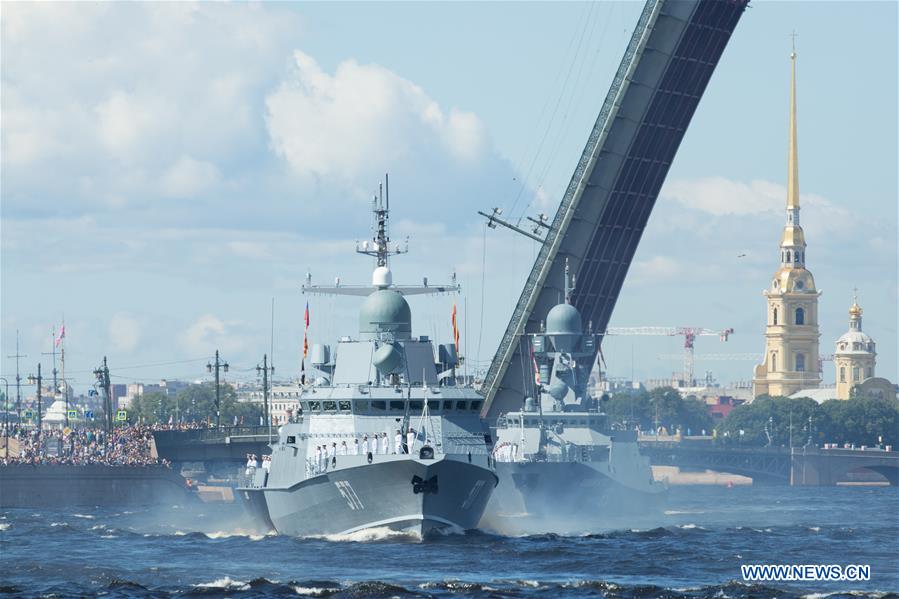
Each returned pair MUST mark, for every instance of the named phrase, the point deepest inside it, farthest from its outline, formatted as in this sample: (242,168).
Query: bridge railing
(204,435)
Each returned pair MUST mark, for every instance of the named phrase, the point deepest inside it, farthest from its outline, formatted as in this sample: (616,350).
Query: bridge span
(799,466)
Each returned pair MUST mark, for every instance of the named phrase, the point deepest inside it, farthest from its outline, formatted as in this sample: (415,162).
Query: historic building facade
(855,355)
(791,337)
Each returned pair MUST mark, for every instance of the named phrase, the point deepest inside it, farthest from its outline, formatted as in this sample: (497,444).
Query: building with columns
(855,354)
(791,336)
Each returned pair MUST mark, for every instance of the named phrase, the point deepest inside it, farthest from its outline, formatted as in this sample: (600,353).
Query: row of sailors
(253,463)
(377,445)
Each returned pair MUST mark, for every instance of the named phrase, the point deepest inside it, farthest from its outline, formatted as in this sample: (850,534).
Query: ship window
(344,406)
(475,405)
(291,439)
(416,405)
(314,406)
(433,405)
(360,405)
(396,405)
(330,406)
(461,405)
(800,316)
(583,423)
(379,405)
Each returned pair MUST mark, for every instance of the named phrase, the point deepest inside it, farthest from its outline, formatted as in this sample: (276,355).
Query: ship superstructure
(558,455)
(386,435)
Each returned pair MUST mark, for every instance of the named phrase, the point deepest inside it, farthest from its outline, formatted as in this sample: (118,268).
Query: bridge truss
(660,80)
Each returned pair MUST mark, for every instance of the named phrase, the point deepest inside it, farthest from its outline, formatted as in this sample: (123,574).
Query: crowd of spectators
(130,445)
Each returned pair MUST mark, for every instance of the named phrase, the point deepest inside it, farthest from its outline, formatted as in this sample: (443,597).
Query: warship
(558,456)
(386,434)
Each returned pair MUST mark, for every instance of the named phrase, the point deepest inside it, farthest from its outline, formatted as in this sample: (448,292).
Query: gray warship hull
(577,489)
(401,493)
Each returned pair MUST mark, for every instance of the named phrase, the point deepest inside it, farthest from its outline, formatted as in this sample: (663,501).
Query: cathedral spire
(793,177)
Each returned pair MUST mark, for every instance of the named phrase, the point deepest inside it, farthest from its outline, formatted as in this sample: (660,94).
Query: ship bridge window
(343,406)
(461,405)
(396,405)
(379,405)
(416,405)
(433,405)
(315,406)
(330,406)
(360,405)
(475,405)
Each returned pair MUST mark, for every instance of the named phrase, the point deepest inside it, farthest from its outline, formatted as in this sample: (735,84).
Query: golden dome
(792,236)
(793,280)
(856,310)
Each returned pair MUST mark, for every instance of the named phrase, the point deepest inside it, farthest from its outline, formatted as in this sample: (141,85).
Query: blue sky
(168,169)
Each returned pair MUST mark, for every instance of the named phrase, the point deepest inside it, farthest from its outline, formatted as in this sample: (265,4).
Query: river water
(693,550)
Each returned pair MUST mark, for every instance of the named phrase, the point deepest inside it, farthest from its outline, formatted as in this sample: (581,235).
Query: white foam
(109,536)
(678,512)
(88,516)
(313,591)
(690,527)
(225,583)
(815,528)
(367,535)
(4,526)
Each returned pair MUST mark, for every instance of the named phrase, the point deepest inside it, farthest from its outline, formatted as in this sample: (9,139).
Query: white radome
(382,277)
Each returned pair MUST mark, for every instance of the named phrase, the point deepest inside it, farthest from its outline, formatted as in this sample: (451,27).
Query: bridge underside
(659,83)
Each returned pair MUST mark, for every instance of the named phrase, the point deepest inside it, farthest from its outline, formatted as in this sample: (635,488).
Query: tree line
(194,403)
(775,421)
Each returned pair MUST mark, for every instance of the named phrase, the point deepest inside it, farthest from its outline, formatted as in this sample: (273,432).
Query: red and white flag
(61,336)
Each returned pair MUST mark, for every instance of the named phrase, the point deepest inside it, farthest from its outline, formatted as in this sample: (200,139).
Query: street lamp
(217,365)
(40,421)
(6,417)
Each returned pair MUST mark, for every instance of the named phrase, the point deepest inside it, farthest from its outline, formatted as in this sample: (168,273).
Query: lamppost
(218,365)
(265,369)
(40,420)
(6,417)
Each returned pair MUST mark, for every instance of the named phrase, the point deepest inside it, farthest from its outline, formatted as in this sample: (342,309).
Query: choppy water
(694,550)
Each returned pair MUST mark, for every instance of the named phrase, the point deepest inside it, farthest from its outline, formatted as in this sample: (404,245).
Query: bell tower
(791,336)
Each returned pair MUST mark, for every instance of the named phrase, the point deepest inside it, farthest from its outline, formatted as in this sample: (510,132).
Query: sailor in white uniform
(355,448)
(385,444)
(332,451)
(343,448)
(398,443)
(365,445)
(318,458)
(410,440)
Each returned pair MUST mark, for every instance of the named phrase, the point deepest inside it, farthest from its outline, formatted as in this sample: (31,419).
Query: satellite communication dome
(385,311)
(382,277)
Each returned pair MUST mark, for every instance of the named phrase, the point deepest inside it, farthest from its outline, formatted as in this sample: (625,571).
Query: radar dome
(382,277)
(564,327)
(385,311)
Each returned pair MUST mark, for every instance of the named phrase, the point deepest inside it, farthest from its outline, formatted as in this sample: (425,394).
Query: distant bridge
(801,466)
(227,445)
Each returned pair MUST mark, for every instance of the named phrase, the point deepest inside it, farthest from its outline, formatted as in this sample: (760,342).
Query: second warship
(386,435)
(558,457)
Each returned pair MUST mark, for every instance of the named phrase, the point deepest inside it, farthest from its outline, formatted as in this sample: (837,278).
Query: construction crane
(688,333)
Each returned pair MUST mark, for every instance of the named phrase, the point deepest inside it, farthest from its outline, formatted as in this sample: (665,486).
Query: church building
(791,360)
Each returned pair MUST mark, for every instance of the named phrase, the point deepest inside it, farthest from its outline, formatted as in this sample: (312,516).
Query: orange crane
(688,333)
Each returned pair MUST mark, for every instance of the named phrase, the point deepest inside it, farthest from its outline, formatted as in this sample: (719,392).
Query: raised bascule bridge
(668,62)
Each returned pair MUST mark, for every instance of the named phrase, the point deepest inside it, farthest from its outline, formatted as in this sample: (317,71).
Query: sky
(169,171)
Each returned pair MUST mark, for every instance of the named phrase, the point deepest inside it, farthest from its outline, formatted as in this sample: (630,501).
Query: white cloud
(188,177)
(124,332)
(249,249)
(350,124)
(209,333)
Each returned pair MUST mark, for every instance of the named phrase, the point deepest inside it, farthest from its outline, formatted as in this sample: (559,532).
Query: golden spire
(793,178)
